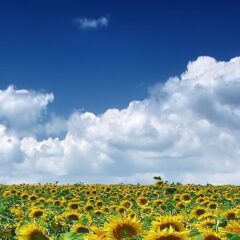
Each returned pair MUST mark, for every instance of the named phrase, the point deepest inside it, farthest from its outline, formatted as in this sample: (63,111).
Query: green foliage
(195,234)
(171,190)
(233,236)
(72,236)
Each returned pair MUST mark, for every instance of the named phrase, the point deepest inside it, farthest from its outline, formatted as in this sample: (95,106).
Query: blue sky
(41,47)
(119,91)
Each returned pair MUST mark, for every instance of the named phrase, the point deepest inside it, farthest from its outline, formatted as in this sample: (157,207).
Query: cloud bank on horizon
(186,130)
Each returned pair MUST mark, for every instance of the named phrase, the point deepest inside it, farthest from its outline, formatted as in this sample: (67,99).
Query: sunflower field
(96,212)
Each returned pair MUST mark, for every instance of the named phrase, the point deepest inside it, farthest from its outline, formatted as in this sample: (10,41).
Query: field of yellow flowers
(113,212)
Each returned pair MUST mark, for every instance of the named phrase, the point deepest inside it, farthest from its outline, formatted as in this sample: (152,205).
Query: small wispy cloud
(92,23)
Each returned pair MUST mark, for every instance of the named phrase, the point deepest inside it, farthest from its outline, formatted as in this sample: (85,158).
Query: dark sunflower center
(89,208)
(57,203)
(37,235)
(200,212)
(186,197)
(169,237)
(127,205)
(73,217)
(143,201)
(121,210)
(213,206)
(168,225)
(231,216)
(25,196)
(74,206)
(38,214)
(82,230)
(124,231)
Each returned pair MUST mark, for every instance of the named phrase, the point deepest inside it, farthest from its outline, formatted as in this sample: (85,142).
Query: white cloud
(92,23)
(22,110)
(187,130)
(9,147)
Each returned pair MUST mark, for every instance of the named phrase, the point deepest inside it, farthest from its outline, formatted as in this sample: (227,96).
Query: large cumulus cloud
(22,111)
(186,130)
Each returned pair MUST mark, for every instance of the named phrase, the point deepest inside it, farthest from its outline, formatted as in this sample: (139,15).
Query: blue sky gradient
(119,91)
(41,47)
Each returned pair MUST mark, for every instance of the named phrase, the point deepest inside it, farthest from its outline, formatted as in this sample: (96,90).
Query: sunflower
(32,232)
(6,231)
(53,191)
(186,197)
(208,223)
(230,214)
(212,205)
(95,237)
(118,228)
(98,230)
(232,227)
(126,203)
(177,197)
(166,234)
(33,197)
(200,200)
(211,235)
(198,212)
(99,204)
(73,205)
(36,213)
(132,214)
(98,234)
(13,191)
(89,207)
(142,201)
(79,228)
(24,196)
(6,194)
(98,212)
(207,215)
(166,222)
(57,203)
(41,200)
(105,209)
(146,209)
(158,202)
(120,209)
(180,205)
(72,216)
(58,226)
